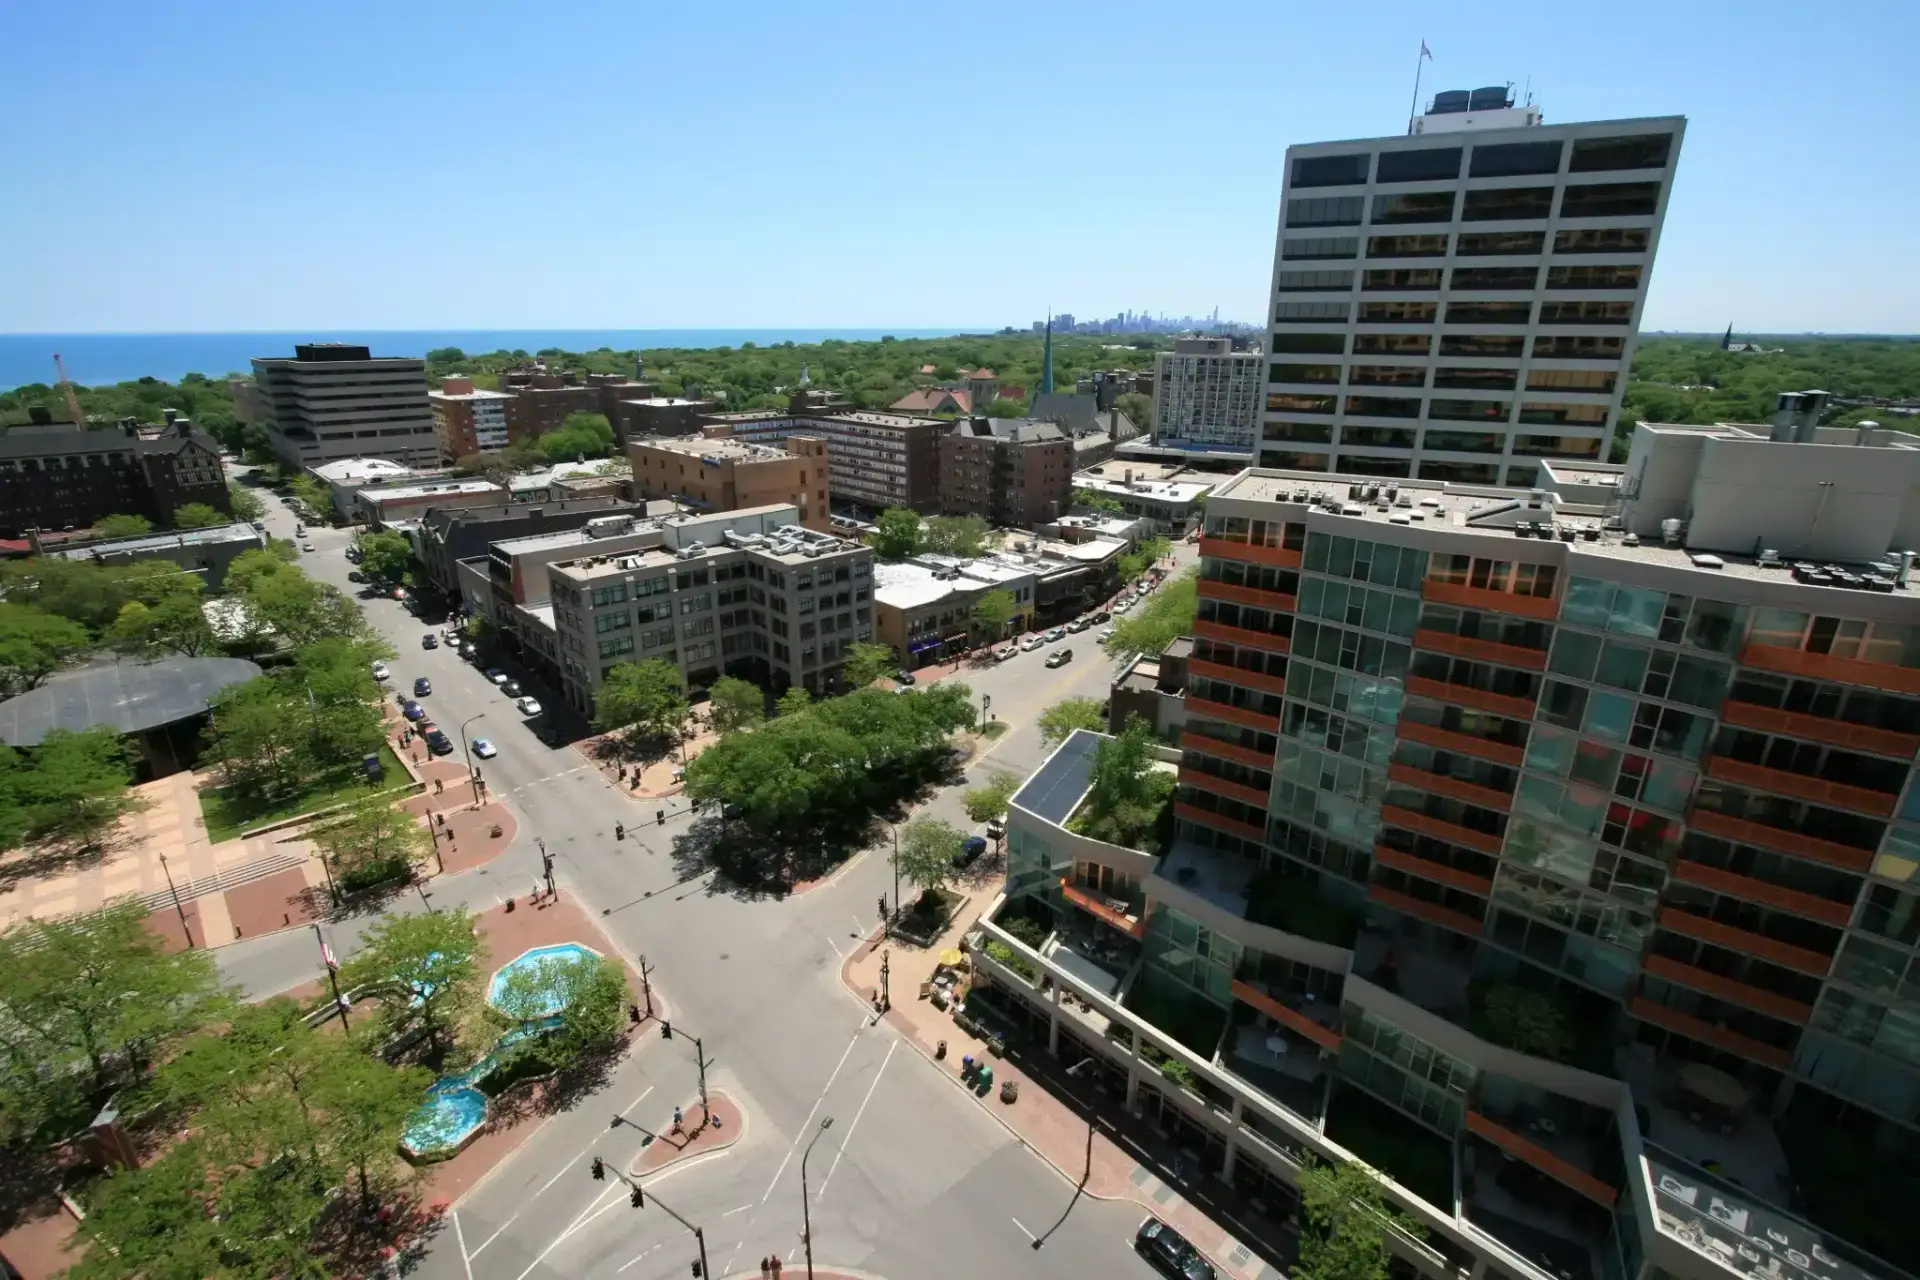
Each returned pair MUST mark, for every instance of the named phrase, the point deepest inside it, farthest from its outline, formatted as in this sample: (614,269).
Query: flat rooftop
(478,393)
(438,489)
(912,586)
(720,449)
(345,469)
(238,532)
(1164,490)
(1151,471)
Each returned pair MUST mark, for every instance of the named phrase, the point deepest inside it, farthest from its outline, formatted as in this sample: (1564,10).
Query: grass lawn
(226,820)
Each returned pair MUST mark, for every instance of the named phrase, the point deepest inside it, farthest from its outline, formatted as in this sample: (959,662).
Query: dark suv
(439,743)
(1169,1252)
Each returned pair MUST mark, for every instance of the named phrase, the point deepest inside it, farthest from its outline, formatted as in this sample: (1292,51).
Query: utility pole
(806,1214)
(896,879)
(700,1058)
(639,1202)
(546,865)
(333,974)
(646,985)
(886,992)
(182,911)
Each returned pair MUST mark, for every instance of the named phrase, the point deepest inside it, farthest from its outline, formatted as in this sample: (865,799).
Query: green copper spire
(1046,361)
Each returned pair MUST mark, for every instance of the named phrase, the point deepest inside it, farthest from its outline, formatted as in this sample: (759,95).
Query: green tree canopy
(898,534)
(275,733)
(582,435)
(1127,798)
(1007,409)
(993,611)
(432,958)
(314,495)
(592,995)
(1142,558)
(736,704)
(990,799)
(385,556)
(246,503)
(34,644)
(372,839)
(122,526)
(866,663)
(446,355)
(1058,721)
(928,850)
(1346,1220)
(88,592)
(1094,500)
(649,695)
(1167,615)
(198,515)
(961,536)
(68,792)
(176,625)
(795,699)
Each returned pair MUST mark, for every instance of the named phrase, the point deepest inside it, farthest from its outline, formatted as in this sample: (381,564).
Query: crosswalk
(553,777)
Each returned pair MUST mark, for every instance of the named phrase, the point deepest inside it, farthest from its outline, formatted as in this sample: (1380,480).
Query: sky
(229,165)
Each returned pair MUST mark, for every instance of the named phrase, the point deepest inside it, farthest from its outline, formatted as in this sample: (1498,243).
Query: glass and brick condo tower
(1460,303)
(1556,852)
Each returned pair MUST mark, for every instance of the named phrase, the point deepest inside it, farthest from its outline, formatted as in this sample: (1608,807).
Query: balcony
(1547,607)
(1442,785)
(1441,829)
(1262,599)
(1199,742)
(1237,675)
(1445,917)
(1293,1069)
(1819,790)
(1464,743)
(1226,549)
(1709,1033)
(1780,840)
(1115,912)
(1264,640)
(1746,942)
(1322,1026)
(1440,873)
(1749,889)
(1837,733)
(1208,818)
(1462,695)
(1824,666)
(1532,1150)
(1244,716)
(1508,655)
(1731,989)
(1221,787)
(1423,965)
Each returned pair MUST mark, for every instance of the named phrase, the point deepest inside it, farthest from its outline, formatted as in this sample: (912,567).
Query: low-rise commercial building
(335,400)
(1572,842)
(1013,472)
(875,460)
(206,552)
(449,535)
(714,474)
(383,505)
(924,608)
(1171,497)
(346,477)
(467,419)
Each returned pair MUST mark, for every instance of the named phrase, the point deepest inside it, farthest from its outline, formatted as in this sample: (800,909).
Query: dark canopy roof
(125,696)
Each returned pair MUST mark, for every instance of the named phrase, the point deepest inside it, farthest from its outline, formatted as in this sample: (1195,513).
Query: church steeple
(1046,361)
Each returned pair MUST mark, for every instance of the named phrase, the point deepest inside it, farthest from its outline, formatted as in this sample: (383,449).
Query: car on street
(1106,634)
(439,743)
(996,829)
(298,528)
(380,671)
(528,706)
(306,546)
(970,850)
(1078,625)
(429,641)
(1033,642)
(1169,1253)
(399,593)
(484,748)
(511,688)
(1102,616)
(422,687)
(1060,658)
(1058,633)
(496,675)
(353,554)
(1002,654)
(905,677)
(413,710)
(551,735)
(356,576)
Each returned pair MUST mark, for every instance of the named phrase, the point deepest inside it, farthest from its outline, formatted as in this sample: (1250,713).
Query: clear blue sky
(237,165)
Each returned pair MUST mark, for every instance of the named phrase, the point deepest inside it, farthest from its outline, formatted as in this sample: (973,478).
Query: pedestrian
(766,1266)
(439,785)
(678,1120)
(776,1267)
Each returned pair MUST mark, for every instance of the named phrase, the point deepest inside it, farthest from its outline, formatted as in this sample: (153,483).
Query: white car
(306,546)
(1032,642)
(529,706)
(1106,633)
(484,748)
(380,671)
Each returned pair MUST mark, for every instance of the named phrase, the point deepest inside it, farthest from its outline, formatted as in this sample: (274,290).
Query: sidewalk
(1054,1115)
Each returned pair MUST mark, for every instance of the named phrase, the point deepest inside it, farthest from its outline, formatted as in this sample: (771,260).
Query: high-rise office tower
(1207,395)
(1460,303)
(337,400)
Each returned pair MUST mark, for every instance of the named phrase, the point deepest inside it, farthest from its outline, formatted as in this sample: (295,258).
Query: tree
(178,624)
(33,645)
(122,526)
(867,663)
(1167,615)
(793,701)
(1138,408)
(88,592)
(929,849)
(154,1222)
(1142,558)
(373,841)
(446,355)
(961,536)
(433,958)
(198,515)
(898,534)
(385,556)
(246,503)
(86,1002)
(281,600)
(71,790)
(1007,409)
(650,695)
(1058,721)
(275,733)
(1127,798)
(313,495)
(582,435)
(589,993)
(989,800)
(1094,500)
(993,611)
(1346,1220)
(736,704)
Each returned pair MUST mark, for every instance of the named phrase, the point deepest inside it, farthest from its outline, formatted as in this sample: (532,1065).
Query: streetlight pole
(806,1213)
(182,911)
(473,770)
(1087,1175)
(333,974)
(896,879)
(546,865)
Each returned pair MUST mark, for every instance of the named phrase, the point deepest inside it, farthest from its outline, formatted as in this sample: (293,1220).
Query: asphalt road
(911,1179)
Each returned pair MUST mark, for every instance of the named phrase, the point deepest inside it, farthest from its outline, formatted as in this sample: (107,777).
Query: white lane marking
(742,1209)
(636,1257)
(806,1125)
(564,1234)
(460,1237)
(568,1166)
(858,932)
(841,1150)
(836,947)
(1023,1229)
(490,1239)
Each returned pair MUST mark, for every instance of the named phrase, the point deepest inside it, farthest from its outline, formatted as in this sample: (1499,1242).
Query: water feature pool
(538,958)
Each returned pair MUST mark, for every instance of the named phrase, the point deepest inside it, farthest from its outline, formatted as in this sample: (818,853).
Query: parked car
(380,671)
(905,677)
(551,735)
(399,593)
(1032,642)
(1078,625)
(1106,634)
(356,576)
(484,748)
(1169,1253)
(413,710)
(1002,654)
(439,743)
(996,830)
(429,641)
(970,850)
(496,675)
(306,546)
(1058,633)
(1060,658)
(298,528)
(1102,616)
(511,688)
(528,706)
(353,553)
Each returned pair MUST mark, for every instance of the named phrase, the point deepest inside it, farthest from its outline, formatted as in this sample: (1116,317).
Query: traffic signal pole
(700,1268)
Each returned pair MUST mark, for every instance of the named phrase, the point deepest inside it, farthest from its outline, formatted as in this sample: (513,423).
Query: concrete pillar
(1479,1268)
(1053,1021)
(1133,1073)
(1233,1144)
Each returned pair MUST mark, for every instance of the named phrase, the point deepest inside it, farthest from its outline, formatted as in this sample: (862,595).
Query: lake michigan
(98,359)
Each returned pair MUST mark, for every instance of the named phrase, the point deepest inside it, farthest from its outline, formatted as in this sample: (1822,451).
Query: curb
(673,1167)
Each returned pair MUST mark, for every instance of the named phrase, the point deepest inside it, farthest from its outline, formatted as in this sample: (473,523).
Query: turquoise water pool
(456,1109)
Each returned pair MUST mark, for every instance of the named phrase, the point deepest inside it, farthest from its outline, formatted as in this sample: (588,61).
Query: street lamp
(1087,1175)
(806,1215)
(472,768)
(888,921)
(546,865)
(182,911)
(986,704)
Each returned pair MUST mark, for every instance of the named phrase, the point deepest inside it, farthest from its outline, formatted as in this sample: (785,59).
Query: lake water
(96,359)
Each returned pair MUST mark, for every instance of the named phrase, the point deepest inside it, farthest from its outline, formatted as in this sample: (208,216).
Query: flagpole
(1418,67)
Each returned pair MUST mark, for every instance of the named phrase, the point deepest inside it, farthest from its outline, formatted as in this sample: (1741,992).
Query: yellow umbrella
(950,957)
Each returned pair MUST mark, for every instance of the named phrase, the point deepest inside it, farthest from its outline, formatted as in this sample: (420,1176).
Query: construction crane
(66,389)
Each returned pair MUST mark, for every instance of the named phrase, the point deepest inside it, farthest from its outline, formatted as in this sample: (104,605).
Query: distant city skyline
(199,186)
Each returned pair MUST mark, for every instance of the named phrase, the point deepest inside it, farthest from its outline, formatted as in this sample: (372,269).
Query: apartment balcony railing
(1729,989)
(1219,822)
(1226,549)
(1291,1018)
(1108,910)
(1462,695)
(1244,716)
(1746,942)
(1222,787)
(1492,601)
(1708,1032)
(1427,869)
(1837,733)
(1510,655)
(1819,790)
(1440,829)
(1561,1171)
(1458,921)
(1466,744)
(1747,888)
(1442,785)
(1238,675)
(1256,596)
(1191,741)
(1241,636)
(1824,666)
(1780,840)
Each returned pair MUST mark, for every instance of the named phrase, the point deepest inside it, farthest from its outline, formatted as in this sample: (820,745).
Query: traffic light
(638,1197)
(696,1269)
(666,1031)
(599,1170)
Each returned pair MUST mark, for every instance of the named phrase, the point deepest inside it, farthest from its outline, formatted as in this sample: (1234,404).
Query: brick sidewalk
(669,1148)
(1051,1115)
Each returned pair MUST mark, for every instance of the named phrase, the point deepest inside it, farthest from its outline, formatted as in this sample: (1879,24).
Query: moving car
(1058,633)
(1169,1253)
(306,546)
(1032,642)
(970,851)
(1060,658)
(1002,654)
(511,688)
(1106,633)
(422,687)
(496,675)
(439,743)
(905,677)
(380,671)
(429,641)
(484,748)
(1079,624)
(413,710)
(528,706)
